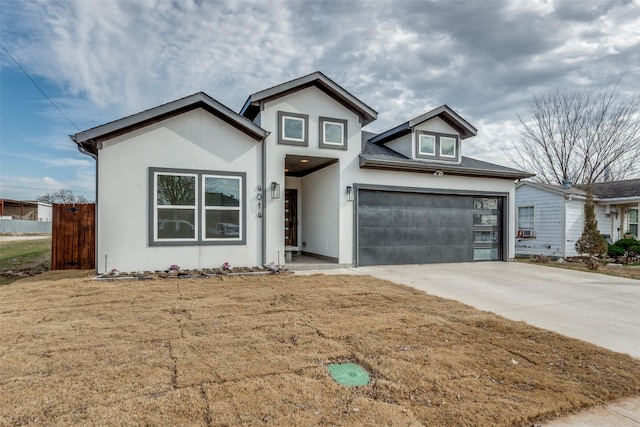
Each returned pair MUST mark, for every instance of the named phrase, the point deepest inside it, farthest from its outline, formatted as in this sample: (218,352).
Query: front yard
(254,350)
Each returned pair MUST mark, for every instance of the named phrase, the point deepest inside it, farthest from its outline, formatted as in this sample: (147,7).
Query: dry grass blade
(253,350)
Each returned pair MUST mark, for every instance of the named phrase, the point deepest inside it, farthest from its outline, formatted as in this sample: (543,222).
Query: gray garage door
(419,228)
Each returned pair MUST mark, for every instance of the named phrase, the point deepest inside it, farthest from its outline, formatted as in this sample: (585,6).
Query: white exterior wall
(549,217)
(324,189)
(193,140)
(320,201)
(574,225)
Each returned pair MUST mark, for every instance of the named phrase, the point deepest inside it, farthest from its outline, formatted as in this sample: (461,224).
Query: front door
(291,217)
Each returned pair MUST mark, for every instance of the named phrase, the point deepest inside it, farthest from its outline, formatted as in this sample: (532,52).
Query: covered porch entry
(311,210)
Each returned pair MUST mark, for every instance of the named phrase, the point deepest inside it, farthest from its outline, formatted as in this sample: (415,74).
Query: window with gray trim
(333,133)
(293,128)
(437,146)
(193,207)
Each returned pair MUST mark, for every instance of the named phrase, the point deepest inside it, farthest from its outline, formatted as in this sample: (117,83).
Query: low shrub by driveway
(255,350)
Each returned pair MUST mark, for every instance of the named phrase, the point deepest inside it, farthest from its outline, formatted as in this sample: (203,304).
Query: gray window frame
(200,208)
(284,141)
(334,146)
(437,149)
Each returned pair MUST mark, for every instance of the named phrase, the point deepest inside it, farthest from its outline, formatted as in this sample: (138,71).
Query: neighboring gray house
(550,218)
(195,184)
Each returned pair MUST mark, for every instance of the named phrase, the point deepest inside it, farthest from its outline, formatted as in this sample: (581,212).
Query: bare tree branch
(582,135)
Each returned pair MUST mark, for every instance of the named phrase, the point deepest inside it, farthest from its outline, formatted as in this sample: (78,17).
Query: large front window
(196,207)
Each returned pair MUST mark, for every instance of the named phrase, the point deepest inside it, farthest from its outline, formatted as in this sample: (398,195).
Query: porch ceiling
(304,165)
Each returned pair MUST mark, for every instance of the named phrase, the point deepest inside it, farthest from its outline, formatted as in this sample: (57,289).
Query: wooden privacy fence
(73,237)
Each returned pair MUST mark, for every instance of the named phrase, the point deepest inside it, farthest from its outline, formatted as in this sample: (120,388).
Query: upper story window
(293,128)
(333,133)
(196,207)
(437,146)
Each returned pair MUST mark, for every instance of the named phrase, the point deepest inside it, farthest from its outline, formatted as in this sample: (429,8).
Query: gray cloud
(484,59)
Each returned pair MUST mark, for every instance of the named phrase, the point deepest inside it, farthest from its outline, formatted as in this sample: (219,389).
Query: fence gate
(73,237)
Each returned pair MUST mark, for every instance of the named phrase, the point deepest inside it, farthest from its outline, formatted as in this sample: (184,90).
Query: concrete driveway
(597,308)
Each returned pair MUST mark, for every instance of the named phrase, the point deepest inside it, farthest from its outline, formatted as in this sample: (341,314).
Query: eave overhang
(88,141)
(416,166)
(252,105)
(449,116)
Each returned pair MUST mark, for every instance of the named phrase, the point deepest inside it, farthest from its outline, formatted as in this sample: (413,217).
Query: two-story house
(195,184)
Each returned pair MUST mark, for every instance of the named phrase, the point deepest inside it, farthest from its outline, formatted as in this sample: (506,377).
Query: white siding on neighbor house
(606,223)
(549,220)
(193,140)
(574,225)
(324,189)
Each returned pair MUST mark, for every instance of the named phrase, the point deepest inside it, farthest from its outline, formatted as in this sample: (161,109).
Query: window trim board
(321,142)
(199,208)
(285,141)
(437,153)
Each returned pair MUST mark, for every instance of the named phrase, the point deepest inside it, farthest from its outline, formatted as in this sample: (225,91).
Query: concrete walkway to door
(597,308)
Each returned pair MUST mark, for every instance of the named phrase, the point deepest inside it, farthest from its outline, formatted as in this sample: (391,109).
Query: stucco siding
(324,189)
(548,225)
(195,140)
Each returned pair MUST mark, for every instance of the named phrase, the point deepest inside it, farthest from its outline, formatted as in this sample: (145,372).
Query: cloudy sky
(102,60)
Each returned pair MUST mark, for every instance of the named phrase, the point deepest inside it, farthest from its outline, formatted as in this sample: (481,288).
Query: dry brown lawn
(254,350)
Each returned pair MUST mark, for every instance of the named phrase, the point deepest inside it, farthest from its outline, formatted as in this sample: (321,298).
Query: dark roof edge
(467,129)
(316,78)
(86,139)
(452,170)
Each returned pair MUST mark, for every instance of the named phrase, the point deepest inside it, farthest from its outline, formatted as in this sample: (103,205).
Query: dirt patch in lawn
(255,350)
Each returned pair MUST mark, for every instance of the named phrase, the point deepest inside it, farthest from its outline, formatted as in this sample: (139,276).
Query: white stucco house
(550,218)
(196,184)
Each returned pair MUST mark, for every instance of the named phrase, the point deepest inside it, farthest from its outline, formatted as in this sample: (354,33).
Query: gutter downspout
(263,231)
(567,199)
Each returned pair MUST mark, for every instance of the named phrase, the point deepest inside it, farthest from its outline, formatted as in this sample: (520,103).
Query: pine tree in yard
(591,242)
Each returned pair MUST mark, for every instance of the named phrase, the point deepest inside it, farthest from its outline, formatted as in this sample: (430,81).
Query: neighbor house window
(633,222)
(437,146)
(196,207)
(333,133)
(293,129)
(526,221)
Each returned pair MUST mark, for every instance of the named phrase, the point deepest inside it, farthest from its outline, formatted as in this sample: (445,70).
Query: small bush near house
(615,251)
(630,248)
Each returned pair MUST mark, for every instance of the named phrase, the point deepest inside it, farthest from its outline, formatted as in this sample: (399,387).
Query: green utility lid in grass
(349,374)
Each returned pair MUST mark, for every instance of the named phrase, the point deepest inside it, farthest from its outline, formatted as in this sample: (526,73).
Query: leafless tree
(584,136)
(62,196)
